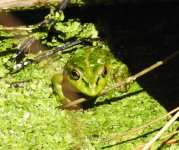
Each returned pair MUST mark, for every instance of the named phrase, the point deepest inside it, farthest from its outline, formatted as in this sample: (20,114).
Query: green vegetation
(30,117)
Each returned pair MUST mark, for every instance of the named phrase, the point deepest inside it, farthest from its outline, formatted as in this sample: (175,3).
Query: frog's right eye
(74,75)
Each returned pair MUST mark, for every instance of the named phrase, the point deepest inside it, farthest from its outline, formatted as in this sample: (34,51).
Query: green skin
(87,73)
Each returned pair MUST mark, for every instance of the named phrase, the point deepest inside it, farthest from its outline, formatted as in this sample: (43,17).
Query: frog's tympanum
(87,73)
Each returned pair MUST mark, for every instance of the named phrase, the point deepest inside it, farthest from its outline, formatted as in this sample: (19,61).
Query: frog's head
(87,71)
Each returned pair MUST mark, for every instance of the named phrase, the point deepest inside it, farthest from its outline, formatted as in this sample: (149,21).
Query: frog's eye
(104,72)
(74,75)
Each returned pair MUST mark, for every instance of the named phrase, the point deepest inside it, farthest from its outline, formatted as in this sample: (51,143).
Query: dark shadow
(4,53)
(117,98)
(25,16)
(140,35)
(90,103)
(132,139)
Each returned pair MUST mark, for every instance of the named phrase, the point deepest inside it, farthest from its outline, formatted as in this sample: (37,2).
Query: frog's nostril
(86,83)
(97,81)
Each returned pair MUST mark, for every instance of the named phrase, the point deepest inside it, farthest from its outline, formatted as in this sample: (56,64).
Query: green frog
(87,72)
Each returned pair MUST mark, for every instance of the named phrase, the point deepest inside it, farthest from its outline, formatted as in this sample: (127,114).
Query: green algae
(30,117)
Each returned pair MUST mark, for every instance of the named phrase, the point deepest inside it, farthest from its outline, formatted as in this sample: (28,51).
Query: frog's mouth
(89,103)
(74,95)
(81,95)
(91,92)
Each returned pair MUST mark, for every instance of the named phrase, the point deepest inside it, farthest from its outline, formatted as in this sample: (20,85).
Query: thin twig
(21,65)
(50,53)
(141,73)
(73,103)
(156,137)
(143,126)
(168,135)
(132,78)
(15,29)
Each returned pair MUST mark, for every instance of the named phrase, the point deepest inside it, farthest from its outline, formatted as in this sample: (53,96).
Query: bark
(24,4)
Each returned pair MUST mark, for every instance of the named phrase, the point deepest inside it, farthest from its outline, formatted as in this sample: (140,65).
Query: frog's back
(91,54)
(90,57)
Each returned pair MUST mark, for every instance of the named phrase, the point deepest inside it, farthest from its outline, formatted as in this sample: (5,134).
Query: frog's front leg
(118,79)
(57,88)
(121,73)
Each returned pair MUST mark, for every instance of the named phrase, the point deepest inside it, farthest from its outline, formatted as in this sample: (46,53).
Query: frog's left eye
(104,72)
(74,75)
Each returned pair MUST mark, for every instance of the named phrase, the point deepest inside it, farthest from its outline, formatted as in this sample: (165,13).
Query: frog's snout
(92,90)
(92,86)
